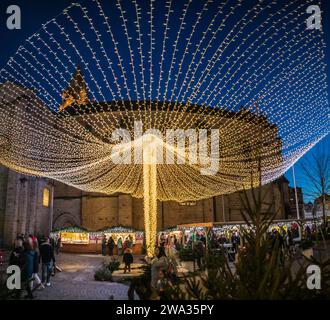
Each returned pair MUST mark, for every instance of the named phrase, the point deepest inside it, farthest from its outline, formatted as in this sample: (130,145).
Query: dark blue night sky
(36,12)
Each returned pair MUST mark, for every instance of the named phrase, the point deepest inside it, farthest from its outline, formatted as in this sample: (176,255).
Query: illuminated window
(45,198)
(187,203)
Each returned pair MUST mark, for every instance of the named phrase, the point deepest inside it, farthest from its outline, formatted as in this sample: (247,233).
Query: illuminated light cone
(184,65)
(150,191)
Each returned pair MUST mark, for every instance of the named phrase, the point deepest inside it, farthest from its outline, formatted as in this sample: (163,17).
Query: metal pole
(295,191)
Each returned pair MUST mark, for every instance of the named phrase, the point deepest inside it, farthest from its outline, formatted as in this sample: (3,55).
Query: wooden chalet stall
(79,240)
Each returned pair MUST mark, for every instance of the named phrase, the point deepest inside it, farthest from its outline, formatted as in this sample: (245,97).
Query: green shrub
(113,265)
(103,274)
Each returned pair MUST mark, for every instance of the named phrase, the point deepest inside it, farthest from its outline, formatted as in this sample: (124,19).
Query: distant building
(315,210)
(318,204)
(292,202)
(308,210)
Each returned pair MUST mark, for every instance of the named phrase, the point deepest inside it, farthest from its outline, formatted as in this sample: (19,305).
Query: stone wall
(96,211)
(67,206)
(99,211)
(24,211)
(272,202)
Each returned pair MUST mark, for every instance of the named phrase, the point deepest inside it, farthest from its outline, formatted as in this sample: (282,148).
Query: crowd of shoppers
(109,245)
(28,253)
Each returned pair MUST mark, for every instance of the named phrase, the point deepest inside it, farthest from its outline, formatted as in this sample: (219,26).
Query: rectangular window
(45,198)
(187,203)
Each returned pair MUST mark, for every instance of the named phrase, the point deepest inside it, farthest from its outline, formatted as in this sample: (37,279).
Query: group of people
(227,241)
(28,253)
(123,249)
(164,265)
(121,246)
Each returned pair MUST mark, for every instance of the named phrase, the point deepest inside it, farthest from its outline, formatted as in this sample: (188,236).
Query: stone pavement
(76,281)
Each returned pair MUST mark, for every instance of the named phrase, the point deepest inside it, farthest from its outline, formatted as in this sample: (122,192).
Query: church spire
(76,92)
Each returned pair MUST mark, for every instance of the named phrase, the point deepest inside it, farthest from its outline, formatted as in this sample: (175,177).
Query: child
(162,282)
(128,259)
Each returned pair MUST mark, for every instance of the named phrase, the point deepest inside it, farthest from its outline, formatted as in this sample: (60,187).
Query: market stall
(229,236)
(194,231)
(169,236)
(123,233)
(79,240)
(225,231)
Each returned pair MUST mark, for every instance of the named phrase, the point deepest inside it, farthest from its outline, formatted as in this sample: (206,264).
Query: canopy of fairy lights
(167,99)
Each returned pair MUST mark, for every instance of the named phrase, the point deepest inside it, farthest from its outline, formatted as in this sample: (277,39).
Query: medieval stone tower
(76,92)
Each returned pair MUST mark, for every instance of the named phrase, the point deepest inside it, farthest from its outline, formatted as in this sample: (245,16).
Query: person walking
(47,259)
(104,245)
(308,232)
(160,262)
(130,242)
(58,244)
(119,246)
(35,276)
(125,245)
(162,284)
(128,259)
(111,244)
(30,260)
(199,251)
(16,257)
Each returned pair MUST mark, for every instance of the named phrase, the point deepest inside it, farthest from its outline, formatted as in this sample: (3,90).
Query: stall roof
(214,224)
(194,225)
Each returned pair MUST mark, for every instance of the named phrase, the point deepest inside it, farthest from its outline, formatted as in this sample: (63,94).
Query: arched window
(45,197)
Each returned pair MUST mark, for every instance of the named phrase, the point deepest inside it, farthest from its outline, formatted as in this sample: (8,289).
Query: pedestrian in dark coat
(17,255)
(111,244)
(128,259)
(104,245)
(30,261)
(47,258)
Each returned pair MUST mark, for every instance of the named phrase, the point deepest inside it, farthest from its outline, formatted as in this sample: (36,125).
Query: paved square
(76,281)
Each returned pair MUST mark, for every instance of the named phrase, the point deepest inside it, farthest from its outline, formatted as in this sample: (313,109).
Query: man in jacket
(47,261)
(111,244)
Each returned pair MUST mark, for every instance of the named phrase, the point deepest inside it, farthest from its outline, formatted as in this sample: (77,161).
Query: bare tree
(314,174)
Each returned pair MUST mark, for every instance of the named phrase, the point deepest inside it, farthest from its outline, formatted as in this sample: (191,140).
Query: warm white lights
(249,69)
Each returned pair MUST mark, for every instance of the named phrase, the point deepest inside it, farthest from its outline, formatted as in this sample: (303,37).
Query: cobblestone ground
(76,281)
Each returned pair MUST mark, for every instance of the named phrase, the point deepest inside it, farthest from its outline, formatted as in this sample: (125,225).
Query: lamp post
(295,192)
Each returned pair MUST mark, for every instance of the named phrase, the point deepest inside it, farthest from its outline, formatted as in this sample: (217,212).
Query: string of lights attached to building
(90,98)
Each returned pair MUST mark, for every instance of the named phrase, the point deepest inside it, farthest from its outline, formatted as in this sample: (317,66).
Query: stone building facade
(37,205)
(26,205)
